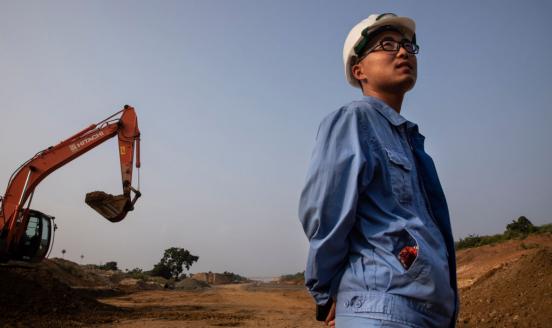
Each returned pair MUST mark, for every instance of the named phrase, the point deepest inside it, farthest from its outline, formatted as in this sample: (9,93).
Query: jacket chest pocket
(400,173)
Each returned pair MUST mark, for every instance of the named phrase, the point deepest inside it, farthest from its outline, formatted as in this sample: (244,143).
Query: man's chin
(408,81)
(404,85)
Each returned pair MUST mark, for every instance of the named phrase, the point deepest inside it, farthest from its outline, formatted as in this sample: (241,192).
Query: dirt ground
(503,285)
(58,293)
(242,305)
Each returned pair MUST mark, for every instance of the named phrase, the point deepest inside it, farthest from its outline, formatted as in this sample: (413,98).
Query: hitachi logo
(76,146)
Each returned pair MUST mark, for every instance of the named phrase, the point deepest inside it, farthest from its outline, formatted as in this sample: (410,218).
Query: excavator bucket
(113,208)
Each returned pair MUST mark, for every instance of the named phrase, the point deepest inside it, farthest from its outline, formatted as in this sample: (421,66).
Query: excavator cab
(36,239)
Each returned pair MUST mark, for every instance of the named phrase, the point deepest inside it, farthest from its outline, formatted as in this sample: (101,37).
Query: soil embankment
(51,294)
(507,285)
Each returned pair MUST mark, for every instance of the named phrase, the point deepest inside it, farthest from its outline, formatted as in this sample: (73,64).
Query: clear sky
(229,96)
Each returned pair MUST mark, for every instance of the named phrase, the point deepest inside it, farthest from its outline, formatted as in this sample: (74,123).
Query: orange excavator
(27,234)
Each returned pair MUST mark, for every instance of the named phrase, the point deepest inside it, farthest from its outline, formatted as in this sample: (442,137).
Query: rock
(128,282)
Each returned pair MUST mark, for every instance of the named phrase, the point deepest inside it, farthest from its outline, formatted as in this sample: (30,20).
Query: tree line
(171,265)
(518,229)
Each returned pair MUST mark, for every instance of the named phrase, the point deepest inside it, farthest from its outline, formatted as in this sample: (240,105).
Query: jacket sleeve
(327,207)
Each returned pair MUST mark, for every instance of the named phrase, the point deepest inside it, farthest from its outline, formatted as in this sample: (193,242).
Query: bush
(476,241)
(234,277)
(161,270)
(520,228)
(469,241)
(545,228)
(296,277)
(137,273)
(109,266)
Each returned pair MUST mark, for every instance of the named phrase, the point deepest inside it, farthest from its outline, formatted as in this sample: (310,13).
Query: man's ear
(358,73)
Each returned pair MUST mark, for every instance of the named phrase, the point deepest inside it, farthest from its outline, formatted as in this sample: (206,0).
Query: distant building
(213,278)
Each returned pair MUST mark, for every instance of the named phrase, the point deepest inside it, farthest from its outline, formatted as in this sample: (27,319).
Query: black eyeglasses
(393,45)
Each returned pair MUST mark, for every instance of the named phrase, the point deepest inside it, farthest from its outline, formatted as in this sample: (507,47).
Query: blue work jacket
(371,191)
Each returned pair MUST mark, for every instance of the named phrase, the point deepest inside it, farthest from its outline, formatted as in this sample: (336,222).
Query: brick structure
(213,278)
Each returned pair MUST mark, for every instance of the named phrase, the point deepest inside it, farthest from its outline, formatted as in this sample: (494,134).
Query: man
(381,248)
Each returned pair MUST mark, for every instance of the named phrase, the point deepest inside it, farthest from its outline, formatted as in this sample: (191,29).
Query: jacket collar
(385,110)
(389,113)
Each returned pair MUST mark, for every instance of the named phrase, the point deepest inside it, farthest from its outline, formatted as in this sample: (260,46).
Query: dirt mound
(41,295)
(191,284)
(515,294)
(472,263)
(73,274)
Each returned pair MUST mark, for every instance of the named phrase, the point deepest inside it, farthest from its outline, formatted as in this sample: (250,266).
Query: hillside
(507,284)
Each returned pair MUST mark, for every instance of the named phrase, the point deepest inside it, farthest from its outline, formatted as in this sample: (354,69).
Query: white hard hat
(404,24)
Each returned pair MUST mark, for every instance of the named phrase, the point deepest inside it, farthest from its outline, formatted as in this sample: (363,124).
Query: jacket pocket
(406,260)
(400,170)
(392,273)
(412,261)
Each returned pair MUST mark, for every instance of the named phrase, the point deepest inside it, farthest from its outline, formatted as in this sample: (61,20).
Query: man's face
(387,71)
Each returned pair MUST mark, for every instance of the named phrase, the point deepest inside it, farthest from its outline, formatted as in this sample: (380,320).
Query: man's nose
(402,53)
